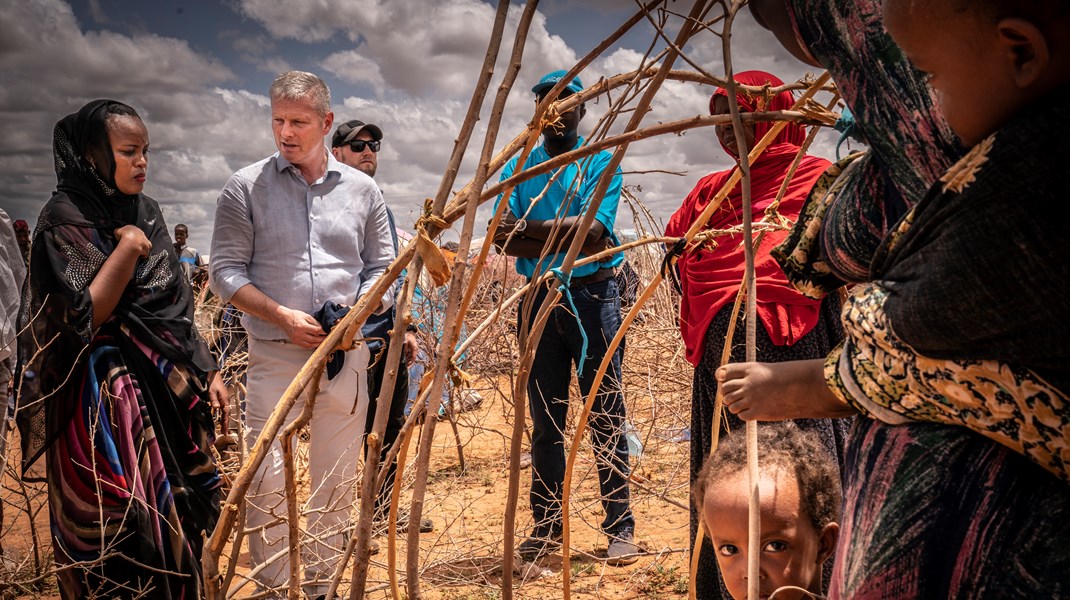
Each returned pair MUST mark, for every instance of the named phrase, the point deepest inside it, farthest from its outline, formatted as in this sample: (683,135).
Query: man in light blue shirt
(12,276)
(292,232)
(538,228)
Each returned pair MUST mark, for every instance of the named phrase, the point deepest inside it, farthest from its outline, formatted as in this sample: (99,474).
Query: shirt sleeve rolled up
(232,240)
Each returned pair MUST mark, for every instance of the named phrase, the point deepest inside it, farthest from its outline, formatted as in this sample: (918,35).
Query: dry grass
(463,557)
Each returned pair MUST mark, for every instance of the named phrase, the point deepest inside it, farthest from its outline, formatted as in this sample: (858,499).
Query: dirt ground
(462,557)
(463,560)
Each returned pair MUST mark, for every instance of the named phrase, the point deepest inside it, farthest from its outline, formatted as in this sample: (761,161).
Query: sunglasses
(358,145)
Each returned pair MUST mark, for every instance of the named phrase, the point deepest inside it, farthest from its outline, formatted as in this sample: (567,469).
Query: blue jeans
(598,307)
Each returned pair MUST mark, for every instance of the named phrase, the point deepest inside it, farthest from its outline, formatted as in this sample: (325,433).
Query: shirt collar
(333,164)
(545,155)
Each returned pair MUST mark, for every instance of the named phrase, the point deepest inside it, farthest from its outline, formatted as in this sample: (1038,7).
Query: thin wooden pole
(753,475)
(686,28)
(293,524)
(392,525)
(456,290)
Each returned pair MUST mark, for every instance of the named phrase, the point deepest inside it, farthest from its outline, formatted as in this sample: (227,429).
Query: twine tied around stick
(847,127)
(566,291)
(458,377)
(668,263)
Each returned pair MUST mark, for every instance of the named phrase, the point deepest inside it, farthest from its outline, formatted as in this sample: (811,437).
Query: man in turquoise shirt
(538,227)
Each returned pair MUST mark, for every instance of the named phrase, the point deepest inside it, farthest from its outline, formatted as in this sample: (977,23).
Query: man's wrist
(283,318)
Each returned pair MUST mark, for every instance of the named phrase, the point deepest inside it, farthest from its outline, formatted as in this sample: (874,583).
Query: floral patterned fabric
(943,335)
(964,324)
(883,378)
(800,255)
(959,355)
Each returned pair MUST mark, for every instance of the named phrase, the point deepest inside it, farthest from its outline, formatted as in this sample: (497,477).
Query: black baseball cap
(348,131)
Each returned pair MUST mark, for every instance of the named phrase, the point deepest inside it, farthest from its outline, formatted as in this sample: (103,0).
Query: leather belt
(600,275)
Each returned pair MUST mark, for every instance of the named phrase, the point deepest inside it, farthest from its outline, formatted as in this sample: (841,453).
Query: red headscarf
(711,277)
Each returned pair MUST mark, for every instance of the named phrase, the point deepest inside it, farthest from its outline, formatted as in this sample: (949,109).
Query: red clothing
(710,278)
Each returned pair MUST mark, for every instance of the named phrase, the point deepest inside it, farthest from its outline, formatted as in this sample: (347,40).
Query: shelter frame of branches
(628,96)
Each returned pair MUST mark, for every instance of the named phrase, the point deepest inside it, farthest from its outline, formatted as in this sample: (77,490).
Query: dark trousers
(396,420)
(559,351)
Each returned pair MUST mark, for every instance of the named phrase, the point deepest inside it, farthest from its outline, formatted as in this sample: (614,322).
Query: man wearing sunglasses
(357,144)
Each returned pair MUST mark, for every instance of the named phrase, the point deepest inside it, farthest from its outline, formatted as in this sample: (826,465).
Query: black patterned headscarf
(80,141)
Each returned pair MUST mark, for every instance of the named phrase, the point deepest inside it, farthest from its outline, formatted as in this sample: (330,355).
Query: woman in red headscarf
(790,325)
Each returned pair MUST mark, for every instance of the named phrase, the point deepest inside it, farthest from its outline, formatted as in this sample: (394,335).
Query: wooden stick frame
(440,214)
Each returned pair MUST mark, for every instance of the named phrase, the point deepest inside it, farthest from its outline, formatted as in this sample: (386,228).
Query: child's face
(983,70)
(793,551)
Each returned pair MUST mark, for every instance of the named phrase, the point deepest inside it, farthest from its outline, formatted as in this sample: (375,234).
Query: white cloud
(97,11)
(257,50)
(409,66)
(419,132)
(49,67)
(44,38)
(353,67)
(273,65)
(421,48)
(250,47)
(312,21)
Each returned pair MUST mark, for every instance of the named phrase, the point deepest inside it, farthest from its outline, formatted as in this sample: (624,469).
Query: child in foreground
(800,508)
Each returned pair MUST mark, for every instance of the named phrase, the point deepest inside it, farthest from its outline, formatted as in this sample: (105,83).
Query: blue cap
(550,80)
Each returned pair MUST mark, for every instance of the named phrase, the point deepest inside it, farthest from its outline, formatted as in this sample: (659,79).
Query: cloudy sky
(198,71)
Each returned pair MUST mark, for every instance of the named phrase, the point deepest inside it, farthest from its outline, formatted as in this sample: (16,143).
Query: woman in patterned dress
(956,351)
(122,415)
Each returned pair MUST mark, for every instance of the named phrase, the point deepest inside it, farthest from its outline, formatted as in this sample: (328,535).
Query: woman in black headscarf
(122,412)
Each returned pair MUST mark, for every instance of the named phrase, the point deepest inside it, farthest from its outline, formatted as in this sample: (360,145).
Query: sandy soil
(462,558)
